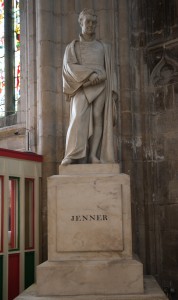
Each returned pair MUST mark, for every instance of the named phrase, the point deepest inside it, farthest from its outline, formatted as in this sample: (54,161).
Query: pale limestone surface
(90,277)
(152,291)
(89,214)
(91,169)
(77,195)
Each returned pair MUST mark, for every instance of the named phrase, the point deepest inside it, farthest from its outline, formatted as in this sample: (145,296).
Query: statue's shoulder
(72,44)
(106,45)
(70,48)
(70,55)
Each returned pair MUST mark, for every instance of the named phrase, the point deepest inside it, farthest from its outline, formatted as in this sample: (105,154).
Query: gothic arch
(165,72)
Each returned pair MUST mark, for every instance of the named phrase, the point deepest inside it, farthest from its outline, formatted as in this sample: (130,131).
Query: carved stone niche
(164,71)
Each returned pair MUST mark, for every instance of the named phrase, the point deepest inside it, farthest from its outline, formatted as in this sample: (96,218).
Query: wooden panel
(1,277)
(29,268)
(21,155)
(13,275)
(1,211)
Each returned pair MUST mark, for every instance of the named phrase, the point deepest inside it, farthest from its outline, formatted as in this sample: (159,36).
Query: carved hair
(86,12)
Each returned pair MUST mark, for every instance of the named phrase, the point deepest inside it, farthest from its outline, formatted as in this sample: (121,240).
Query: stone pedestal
(89,237)
(89,234)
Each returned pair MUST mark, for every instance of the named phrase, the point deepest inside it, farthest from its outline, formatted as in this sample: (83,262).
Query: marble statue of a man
(90,86)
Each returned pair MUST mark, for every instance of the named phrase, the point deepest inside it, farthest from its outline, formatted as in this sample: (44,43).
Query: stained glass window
(16,8)
(9,56)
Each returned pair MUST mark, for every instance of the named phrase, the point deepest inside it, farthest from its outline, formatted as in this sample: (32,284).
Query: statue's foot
(94,160)
(66,161)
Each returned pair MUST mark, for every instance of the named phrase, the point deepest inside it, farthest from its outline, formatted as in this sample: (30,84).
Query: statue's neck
(87,38)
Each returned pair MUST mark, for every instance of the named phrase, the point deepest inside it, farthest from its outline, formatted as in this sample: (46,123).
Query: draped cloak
(81,97)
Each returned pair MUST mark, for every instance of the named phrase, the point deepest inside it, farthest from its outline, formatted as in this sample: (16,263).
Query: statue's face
(88,24)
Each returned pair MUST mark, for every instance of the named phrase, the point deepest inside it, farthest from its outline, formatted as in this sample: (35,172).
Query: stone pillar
(131,120)
(125,86)
(46,98)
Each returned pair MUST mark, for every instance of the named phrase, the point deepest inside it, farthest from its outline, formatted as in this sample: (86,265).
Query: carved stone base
(152,291)
(90,277)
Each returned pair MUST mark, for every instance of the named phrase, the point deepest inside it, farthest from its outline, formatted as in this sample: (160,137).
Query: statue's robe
(81,59)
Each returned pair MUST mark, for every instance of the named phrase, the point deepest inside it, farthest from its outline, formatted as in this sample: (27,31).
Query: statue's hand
(94,79)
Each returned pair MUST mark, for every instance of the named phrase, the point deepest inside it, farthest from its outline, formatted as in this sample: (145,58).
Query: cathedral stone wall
(153,59)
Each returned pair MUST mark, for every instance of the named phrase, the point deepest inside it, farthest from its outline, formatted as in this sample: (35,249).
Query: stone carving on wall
(89,83)
(165,71)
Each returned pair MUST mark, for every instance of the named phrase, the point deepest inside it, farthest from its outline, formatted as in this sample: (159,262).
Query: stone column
(46,98)
(125,86)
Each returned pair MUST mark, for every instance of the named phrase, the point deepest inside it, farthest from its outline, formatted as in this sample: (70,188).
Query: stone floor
(152,291)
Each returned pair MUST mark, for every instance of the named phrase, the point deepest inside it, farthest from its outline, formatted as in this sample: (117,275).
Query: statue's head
(88,20)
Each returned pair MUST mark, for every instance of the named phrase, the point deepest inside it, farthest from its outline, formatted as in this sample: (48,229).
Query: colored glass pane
(15,13)
(16,8)
(2,60)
